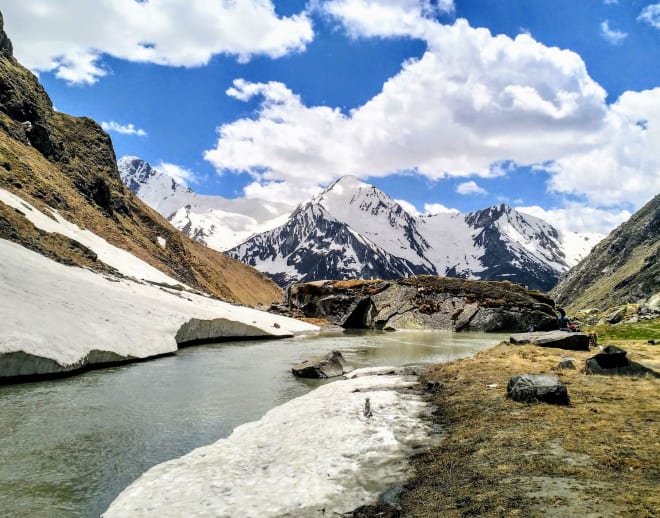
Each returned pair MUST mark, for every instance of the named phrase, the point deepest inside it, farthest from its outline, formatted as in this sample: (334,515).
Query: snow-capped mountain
(353,230)
(217,222)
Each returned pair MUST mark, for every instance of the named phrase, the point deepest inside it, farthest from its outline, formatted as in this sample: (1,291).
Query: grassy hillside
(623,268)
(59,162)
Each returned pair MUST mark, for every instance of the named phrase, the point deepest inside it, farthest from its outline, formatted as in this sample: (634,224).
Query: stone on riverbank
(329,366)
(530,388)
(558,339)
(613,361)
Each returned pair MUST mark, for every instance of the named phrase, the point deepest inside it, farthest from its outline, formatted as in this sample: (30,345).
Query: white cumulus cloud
(471,187)
(472,101)
(69,37)
(614,36)
(651,15)
(576,217)
(180,174)
(437,208)
(124,129)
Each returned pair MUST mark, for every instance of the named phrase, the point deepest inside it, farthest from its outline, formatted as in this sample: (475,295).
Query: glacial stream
(68,447)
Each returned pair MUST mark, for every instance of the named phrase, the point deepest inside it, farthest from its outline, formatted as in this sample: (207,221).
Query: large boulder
(424,302)
(558,339)
(329,366)
(530,388)
(613,360)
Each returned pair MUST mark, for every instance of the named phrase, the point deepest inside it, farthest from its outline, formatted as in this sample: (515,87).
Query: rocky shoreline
(595,457)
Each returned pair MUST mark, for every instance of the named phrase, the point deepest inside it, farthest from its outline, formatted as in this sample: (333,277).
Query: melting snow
(317,452)
(60,312)
(122,260)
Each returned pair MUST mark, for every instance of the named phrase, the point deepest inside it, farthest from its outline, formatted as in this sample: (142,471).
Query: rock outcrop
(6,47)
(329,366)
(558,339)
(424,302)
(531,388)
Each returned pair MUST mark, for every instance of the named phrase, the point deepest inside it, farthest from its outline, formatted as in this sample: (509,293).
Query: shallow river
(68,447)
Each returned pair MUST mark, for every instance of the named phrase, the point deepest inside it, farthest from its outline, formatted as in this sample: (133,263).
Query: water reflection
(69,446)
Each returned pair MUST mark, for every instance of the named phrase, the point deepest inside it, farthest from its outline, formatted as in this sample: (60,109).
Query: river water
(68,447)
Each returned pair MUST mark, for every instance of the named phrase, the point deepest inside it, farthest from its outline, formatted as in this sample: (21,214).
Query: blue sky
(550,106)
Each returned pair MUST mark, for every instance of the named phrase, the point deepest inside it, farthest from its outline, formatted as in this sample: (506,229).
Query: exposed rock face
(530,388)
(329,366)
(424,302)
(6,47)
(623,268)
(558,339)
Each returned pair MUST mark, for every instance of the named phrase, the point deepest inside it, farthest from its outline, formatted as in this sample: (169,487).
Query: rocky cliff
(623,268)
(67,164)
(425,302)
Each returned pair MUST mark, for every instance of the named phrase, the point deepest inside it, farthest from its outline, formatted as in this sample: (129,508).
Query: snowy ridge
(497,243)
(345,459)
(123,261)
(354,230)
(216,222)
(314,245)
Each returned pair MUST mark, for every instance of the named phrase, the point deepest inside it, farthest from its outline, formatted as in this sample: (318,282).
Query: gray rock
(566,363)
(424,302)
(612,361)
(328,366)
(616,316)
(5,43)
(610,357)
(530,388)
(559,339)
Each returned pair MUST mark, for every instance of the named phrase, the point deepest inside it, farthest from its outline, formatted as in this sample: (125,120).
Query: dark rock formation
(530,388)
(6,47)
(424,302)
(329,366)
(566,363)
(558,339)
(614,361)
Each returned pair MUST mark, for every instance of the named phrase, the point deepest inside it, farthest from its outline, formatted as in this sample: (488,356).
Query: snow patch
(121,260)
(73,316)
(317,452)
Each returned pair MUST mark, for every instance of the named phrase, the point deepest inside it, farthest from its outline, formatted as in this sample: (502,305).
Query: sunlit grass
(642,330)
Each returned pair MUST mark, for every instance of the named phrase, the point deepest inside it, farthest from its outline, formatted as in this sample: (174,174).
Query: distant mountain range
(214,221)
(354,230)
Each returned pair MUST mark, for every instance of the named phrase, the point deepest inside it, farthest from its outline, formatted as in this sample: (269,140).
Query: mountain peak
(6,47)
(348,183)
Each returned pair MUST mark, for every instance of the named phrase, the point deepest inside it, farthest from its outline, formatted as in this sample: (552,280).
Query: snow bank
(60,318)
(123,261)
(316,452)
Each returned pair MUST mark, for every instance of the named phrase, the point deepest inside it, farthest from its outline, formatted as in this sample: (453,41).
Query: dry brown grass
(600,456)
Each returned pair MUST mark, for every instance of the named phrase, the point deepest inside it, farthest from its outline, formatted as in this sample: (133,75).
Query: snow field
(316,452)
